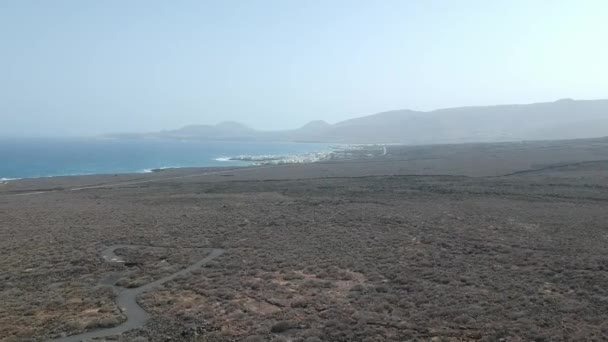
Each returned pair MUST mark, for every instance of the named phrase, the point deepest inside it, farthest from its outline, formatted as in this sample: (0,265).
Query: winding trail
(126,299)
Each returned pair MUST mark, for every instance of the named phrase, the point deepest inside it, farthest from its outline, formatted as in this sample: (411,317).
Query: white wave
(50,176)
(224,159)
(158,169)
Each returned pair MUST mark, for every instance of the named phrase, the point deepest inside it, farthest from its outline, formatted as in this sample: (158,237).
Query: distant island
(562,119)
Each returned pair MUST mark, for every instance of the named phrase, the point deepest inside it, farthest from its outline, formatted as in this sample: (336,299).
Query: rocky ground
(489,242)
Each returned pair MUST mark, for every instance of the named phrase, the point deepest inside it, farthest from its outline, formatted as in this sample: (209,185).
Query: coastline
(333,153)
(37,158)
(371,160)
(251,171)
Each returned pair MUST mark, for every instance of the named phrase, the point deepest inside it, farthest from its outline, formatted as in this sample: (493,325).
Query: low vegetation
(383,258)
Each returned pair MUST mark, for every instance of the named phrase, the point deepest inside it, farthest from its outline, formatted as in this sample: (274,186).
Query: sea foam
(158,169)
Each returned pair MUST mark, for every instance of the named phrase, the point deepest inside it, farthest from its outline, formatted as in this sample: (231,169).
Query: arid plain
(472,242)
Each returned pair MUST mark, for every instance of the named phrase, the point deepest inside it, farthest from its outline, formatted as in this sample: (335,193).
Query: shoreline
(334,153)
(39,158)
(215,173)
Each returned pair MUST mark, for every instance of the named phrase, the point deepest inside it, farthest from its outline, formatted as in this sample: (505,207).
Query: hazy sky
(88,67)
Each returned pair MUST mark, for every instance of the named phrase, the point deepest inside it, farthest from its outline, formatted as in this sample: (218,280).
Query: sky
(79,68)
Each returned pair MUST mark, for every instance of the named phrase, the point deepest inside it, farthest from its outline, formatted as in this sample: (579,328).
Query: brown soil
(443,243)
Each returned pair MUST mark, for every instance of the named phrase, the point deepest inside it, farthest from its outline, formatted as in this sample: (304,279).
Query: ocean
(45,157)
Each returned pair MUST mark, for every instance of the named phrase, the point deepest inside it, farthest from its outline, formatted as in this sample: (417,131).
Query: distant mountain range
(563,119)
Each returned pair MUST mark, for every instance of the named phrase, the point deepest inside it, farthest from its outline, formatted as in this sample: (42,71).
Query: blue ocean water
(42,157)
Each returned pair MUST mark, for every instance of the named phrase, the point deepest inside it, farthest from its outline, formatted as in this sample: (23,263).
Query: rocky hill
(563,119)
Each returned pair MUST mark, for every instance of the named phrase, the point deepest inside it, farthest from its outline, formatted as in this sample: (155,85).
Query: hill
(562,119)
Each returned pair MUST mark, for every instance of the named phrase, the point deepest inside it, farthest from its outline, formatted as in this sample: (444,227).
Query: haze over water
(27,158)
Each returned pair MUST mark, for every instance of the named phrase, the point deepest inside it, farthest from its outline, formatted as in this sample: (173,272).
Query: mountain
(476,124)
(315,126)
(562,119)
(224,130)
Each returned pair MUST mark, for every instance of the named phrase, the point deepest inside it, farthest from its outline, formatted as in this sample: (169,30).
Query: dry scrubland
(495,242)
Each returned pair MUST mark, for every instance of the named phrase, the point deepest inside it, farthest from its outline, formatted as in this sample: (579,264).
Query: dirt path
(127,298)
